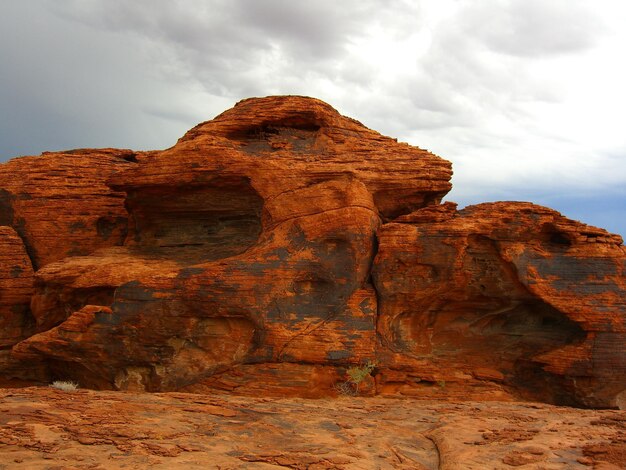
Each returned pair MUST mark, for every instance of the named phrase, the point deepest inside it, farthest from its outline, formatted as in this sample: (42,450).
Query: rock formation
(281,243)
(16,287)
(509,293)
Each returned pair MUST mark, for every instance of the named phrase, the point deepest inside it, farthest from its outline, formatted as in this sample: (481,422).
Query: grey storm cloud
(226,44)
(252,47)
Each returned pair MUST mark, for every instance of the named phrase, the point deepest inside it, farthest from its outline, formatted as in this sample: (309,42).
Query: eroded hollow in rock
(53,304)
(496,335)
(298,134)
(303,126)
(551,234)
(476,332)
(393,203)
(196,224)
(490,320)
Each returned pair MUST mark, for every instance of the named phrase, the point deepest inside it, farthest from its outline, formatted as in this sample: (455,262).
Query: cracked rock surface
(45,428)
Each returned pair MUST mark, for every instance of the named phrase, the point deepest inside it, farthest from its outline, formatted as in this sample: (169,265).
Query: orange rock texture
(505,293)
(280,244)
(16,289)
(44,428)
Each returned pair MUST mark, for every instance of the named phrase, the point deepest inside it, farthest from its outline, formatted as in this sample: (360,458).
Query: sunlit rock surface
(41,427)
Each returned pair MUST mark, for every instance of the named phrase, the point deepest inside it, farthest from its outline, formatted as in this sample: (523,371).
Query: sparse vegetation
(356,375)
(64,385)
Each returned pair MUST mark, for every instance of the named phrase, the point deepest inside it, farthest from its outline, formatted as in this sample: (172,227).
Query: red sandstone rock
(266,249)
(536,299)
(60,205)
(241,259)
(16,289)
(277,145)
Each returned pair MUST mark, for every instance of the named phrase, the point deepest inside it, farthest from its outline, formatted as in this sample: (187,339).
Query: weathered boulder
(508,294)
(279,244)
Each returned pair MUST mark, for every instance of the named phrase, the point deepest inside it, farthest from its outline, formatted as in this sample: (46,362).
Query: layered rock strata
(16,289)
(503,293)
(281,243)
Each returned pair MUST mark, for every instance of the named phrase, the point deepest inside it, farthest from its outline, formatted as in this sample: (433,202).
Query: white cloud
(531,28)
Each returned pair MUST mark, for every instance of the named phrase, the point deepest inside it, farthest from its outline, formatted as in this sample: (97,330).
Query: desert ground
(45,428)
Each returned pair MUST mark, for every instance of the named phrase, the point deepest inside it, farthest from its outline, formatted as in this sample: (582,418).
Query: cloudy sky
(525,97)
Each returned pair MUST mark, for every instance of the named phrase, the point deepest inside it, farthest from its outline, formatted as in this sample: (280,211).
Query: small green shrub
(66,386)
(356,375)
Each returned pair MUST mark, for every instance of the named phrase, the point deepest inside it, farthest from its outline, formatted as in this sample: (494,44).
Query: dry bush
(64,385)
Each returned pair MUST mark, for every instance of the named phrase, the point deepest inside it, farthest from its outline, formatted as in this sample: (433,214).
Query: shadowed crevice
(195,224)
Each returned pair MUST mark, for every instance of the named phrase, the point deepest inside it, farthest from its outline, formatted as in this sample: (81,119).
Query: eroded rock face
(60,205)
(16,289)
(281,243)
(504,293)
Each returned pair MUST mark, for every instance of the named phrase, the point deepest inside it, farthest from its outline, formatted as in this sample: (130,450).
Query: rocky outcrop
(504,294)
(60,205)
(281,243)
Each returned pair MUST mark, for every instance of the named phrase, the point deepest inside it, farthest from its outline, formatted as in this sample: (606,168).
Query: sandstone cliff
(281,243)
